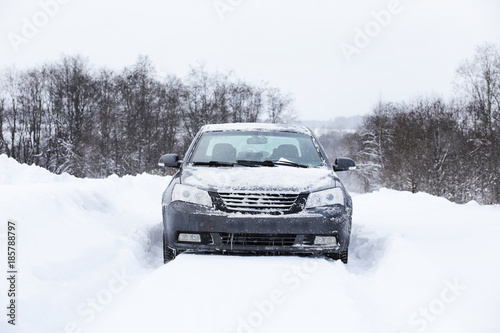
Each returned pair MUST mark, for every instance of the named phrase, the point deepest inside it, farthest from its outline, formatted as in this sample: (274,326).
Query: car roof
(264,127)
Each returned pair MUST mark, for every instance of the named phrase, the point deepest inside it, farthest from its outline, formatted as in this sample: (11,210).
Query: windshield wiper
(282,161)
(267,163)
(214,163)
(270,163)
(255,163)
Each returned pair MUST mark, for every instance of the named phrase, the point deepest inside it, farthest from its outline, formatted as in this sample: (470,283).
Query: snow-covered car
(259,189)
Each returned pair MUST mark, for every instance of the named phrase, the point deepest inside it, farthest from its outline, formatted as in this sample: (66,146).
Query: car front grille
(258,202)
(257,239)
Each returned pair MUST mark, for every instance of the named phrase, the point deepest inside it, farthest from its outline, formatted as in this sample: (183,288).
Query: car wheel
(168,253)
(343,255)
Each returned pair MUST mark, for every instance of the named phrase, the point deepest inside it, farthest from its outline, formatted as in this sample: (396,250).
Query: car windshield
(257,148)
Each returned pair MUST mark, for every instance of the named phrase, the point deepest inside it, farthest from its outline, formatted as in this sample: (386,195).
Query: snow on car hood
(278,178)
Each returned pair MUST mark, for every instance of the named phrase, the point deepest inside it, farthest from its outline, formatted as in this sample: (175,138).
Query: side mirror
(170,160)
(344,164)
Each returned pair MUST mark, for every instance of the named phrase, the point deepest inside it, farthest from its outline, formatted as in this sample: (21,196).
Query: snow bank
(90,261)
(74,237)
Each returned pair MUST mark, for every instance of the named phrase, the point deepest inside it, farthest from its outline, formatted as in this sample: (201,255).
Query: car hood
(278,178)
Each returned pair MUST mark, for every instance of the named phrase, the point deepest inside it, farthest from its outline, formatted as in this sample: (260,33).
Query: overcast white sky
(294,45)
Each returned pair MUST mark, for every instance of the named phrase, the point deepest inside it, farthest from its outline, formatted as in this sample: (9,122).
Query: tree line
(68,116)
(449,149)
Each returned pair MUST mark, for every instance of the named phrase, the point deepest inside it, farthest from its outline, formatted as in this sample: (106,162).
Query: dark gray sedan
(258,189)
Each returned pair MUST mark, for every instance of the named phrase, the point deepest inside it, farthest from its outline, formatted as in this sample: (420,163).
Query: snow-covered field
(89,261)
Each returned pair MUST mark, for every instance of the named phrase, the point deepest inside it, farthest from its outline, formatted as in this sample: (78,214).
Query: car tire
(343,255)
(168,253)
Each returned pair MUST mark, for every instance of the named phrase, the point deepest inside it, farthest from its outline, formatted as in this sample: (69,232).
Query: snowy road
(89,258)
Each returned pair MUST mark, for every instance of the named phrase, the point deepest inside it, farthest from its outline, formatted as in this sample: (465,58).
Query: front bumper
(246,233)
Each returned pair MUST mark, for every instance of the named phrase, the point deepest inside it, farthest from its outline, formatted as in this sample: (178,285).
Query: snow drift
(89,258)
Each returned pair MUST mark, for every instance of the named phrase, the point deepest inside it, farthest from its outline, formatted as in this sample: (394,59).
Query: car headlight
(191,194)
(332,196)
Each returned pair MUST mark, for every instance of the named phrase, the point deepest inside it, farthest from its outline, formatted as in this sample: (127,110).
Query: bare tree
(478,81)
(279,108)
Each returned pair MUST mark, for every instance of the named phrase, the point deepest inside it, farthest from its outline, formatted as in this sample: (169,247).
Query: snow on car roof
(256,127)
